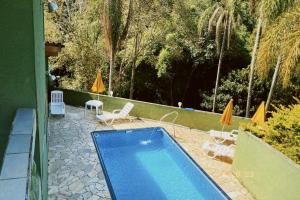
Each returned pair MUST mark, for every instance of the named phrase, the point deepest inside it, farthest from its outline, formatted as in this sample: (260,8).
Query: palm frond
(281,38)
(203,20)
(112,19)
(213,18)
(219,28)
(273,8)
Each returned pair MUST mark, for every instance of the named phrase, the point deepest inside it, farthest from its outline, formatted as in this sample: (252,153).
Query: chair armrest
(117,110)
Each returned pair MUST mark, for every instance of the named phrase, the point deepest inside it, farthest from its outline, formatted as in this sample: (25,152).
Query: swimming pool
(147,164)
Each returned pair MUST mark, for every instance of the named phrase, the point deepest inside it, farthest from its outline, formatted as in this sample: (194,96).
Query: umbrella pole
(223,128)
(98,96)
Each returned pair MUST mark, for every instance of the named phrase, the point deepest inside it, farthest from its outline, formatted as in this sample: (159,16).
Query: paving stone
(92,174)
(76,186)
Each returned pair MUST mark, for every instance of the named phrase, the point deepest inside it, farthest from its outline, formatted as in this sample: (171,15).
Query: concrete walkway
(75,171)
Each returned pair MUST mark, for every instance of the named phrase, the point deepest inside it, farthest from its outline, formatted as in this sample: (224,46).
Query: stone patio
(75,171)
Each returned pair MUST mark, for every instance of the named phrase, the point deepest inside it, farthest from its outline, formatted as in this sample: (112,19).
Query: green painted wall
(41,92)
(17,74)
(22,69)
(265,172)
(193,119)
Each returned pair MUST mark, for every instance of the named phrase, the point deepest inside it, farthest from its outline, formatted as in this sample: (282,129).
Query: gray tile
(23,122)
(15,166)
(18,144)
(13,189)
(22,127)
(24,113)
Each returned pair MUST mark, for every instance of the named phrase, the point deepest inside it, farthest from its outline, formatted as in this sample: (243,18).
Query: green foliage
(281,38)
(84,52)
(274,8)
(282,130)
(174,47)
(234,86)
(163,61)
(35,184)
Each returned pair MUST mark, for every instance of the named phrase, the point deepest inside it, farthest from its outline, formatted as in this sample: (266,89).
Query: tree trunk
(133,67)
(171,91)
(252,63)
(111,66)
(132,80)
(219,66)
(275,75)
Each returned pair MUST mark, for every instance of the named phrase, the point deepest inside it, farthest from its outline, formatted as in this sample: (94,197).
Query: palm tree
(113,30)
(281,44)
(112,20)
(258,31)
(223,20)
(271,9)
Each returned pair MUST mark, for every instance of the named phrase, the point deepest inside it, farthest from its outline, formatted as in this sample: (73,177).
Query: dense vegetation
(165,51)
(282,130)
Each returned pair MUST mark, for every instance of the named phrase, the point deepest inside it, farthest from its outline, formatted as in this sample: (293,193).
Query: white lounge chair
(57,105)
(218,149)
(116,114)
(221,136)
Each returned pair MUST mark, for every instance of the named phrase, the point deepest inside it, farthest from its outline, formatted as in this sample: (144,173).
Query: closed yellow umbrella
(226,118)
(259,116)
(98,85)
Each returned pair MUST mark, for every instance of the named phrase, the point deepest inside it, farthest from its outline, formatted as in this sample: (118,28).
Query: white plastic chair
(218,149)
(221,136)
(57,105)
(116,114)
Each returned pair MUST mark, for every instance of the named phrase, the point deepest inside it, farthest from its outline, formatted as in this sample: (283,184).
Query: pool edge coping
(113,196)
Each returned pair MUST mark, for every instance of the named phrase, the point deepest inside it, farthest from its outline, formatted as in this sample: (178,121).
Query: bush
(282,130)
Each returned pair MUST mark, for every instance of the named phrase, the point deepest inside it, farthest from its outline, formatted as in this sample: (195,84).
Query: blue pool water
(147,164)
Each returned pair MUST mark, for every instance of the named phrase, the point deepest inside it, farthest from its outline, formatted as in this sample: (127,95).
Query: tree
(258,30)
(281,42)
(273,83)
(224,18)
(114,32)
(272,10)
(84,51)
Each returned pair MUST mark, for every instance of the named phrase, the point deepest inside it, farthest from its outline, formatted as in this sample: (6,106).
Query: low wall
(264,171)
(15,175)
(194,119)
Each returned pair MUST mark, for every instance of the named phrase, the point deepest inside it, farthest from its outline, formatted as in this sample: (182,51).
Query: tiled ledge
(16,169)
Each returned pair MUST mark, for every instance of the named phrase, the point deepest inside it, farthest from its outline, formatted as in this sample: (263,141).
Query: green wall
(193,119)
(17,74)
(22,68)
(265,172)
(41,93)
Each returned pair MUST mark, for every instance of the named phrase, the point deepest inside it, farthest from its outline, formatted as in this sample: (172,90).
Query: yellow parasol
(226,118)
(259,116)
(98,85)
